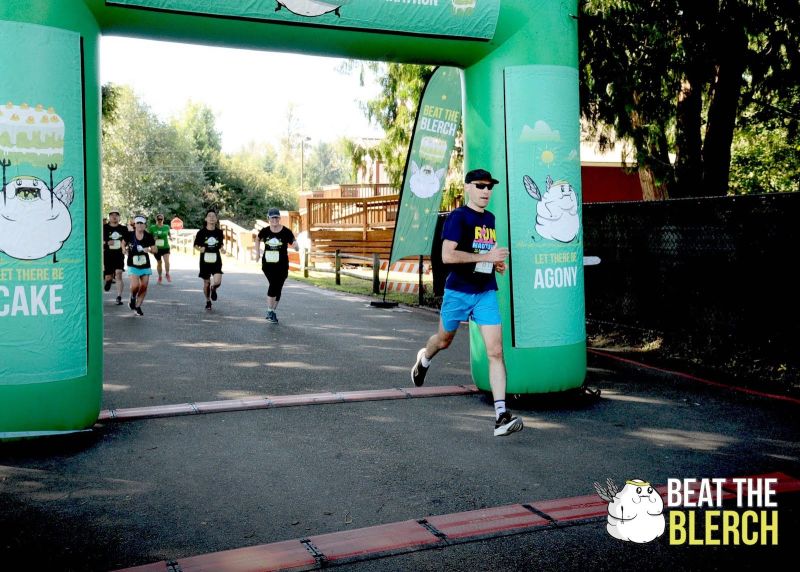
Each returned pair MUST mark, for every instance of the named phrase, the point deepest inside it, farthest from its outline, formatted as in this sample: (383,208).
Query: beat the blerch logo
(635,513)
(697,513)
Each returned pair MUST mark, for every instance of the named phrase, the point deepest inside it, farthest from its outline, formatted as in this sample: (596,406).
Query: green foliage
(765,160)
(109,102)
(178,168)
(147,166)
(681,76)
(197,123)
(395,111)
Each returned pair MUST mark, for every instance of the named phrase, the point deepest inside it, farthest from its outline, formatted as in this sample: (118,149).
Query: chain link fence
(713,272)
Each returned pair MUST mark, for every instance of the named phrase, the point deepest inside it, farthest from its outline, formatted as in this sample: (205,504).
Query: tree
(675,76)
(147,166)
(197,122)
(395,110)
(325,164)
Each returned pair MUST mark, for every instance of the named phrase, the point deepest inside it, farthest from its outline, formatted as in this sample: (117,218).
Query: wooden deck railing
(355,213)
(363,190)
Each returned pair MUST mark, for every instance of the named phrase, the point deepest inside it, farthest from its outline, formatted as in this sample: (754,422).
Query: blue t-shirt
(473,232)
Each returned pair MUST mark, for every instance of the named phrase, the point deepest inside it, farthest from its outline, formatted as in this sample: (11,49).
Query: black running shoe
(107,285)
(119,300)
(418,371)
(139,311)
(214,293)
(507,424)
(208,304)
(132,303)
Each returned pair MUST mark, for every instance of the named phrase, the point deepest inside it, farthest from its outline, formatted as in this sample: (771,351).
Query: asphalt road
(135,492)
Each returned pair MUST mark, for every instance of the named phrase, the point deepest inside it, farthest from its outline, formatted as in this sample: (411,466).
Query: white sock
(499,408)
(425,361)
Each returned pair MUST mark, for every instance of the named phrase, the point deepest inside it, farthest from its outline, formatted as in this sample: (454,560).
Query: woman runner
(209,240)
(139,244)
(275,261)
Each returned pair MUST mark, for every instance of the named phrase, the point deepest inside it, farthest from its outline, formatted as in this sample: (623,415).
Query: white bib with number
(115,245)
(160,242)
(484,267)
(271,256)
(140,260)
(209,257)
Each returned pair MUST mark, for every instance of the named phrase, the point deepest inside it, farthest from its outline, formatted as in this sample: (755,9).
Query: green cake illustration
(31,135)
(432,150)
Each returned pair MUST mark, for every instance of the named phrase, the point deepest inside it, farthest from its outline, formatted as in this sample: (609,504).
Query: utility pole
(303,140)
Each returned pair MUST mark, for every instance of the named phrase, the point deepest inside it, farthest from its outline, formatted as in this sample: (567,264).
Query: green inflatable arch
(521,121)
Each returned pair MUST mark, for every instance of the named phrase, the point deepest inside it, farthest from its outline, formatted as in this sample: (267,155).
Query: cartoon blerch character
(636,513)
(425,182)
(34,222)
(310,8)
(556,211)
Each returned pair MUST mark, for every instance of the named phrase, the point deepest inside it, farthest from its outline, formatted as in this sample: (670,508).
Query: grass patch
(352,286)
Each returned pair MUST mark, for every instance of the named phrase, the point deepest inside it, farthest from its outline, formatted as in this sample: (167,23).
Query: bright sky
(249,91)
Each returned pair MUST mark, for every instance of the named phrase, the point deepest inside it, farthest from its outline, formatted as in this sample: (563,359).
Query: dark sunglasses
(482,186)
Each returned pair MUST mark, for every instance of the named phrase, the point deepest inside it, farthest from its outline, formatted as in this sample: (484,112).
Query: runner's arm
(452,256)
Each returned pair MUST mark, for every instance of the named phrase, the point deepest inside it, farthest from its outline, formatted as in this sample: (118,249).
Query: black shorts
(113,260)
(276,276)
(160,253)
(209,269)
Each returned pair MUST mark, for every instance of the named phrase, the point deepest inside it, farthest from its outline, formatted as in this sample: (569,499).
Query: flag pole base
(383,304)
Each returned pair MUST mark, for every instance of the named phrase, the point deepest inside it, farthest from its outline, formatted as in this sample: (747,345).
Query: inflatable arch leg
(522,120)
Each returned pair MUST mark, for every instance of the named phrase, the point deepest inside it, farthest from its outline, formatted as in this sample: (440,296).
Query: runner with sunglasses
(470,246)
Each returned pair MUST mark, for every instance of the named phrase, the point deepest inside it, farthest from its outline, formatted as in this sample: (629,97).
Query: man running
(115,240)
(470,245)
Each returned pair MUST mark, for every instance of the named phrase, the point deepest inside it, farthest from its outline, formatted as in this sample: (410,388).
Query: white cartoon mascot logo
(556,211)
(308,8)
(34,221)
(425,182)
(636,513)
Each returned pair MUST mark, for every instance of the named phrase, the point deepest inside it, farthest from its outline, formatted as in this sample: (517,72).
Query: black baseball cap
(273,212)
(480,175)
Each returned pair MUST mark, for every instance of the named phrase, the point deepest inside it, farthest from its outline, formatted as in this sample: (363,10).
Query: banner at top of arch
(475,19)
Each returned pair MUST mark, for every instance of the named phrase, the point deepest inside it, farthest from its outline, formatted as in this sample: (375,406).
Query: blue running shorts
(139,271)
(458,307)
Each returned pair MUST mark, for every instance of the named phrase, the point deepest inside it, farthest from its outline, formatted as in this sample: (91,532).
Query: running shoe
(272,317)
(139,311)
(507,424)
(208,304)
(132,303)
(107,285)
(119,300)
(159,279)
(169,278)
(418,371)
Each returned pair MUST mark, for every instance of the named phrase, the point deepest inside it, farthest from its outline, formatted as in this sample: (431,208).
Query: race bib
(484,267)
(209,257)
(115,244)
(271,256)
(160,242)
(140,260)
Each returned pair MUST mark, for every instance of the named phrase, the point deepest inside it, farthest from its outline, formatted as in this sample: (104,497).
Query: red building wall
(606,184)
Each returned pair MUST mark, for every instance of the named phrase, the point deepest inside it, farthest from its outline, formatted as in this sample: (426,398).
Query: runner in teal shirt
(160,232)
